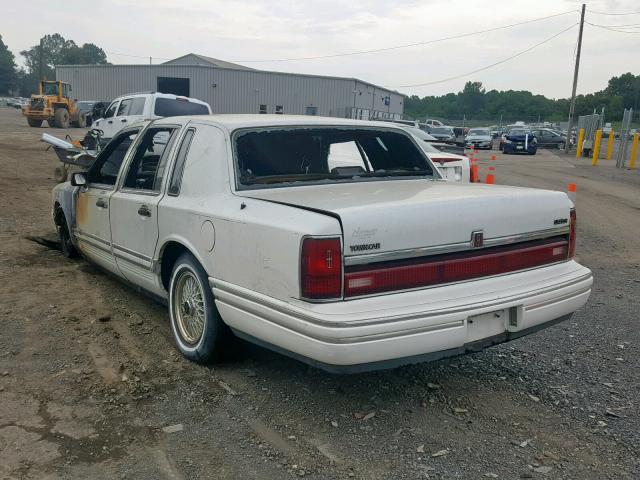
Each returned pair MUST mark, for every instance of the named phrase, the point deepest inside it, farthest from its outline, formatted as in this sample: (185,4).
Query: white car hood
(405,214)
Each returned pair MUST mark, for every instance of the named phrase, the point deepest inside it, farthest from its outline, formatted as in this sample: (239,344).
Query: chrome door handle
(100,203)
(144,211)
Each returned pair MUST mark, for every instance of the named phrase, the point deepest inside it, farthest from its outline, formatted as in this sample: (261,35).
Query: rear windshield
(479,132)
(172,107)
(277,157)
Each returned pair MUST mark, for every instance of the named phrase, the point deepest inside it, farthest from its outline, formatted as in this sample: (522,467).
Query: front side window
(111,111)
(276,157)
(106,167)
(146,170)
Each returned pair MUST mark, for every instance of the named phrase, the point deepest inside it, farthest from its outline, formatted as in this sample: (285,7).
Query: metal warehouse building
(232,88)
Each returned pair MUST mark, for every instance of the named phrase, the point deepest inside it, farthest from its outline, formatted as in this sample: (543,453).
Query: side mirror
(78,179)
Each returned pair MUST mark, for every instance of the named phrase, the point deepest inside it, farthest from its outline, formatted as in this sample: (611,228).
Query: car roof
(236,121)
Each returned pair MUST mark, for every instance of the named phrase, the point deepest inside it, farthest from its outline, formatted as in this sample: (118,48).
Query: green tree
(7,69)
(626,86)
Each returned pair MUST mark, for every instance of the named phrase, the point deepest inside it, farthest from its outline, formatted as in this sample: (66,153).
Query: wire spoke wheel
(189,308)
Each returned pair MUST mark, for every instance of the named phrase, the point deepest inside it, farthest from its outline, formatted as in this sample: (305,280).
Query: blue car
(519,140)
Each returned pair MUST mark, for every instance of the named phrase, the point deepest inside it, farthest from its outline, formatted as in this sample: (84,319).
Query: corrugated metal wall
(236,91)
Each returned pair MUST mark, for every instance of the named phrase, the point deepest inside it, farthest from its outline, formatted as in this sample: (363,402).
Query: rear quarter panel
(255,243)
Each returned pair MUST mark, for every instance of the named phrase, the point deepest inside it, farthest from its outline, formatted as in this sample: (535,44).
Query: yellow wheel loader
(53,104)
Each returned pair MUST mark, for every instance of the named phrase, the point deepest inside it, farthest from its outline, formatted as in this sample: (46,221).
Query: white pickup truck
(260,225)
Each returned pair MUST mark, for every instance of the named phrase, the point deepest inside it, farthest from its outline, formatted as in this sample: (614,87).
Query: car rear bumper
(407,327)
(513,148)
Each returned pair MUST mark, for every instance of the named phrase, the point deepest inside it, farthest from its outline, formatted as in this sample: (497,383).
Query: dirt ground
(91,385)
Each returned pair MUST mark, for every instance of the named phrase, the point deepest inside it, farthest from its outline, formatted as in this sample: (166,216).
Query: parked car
(92,109)
(479,138)
(434,123)
(520,140)
(444,134)
(135,107)
(453,167)
(548,138)
(249,223)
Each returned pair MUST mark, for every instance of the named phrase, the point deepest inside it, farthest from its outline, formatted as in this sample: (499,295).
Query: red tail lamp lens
(572,234)
(321,268)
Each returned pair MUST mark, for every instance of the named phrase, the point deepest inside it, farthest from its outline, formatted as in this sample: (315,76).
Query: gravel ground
(92,387)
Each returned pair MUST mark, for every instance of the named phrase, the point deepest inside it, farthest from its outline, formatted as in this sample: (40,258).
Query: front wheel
(197,327)
(561,146)
(33,122)
(66,245)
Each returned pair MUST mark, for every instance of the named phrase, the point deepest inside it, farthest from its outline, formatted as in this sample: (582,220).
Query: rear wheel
(561,146)
(60,174)
(197,327)
(34,122)
(61,119)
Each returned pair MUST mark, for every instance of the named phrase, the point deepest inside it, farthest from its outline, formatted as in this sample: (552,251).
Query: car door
(107,124)
(134,206)
(92,228)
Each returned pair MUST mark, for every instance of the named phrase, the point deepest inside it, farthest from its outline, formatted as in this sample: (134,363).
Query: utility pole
(40,61)
(572,107)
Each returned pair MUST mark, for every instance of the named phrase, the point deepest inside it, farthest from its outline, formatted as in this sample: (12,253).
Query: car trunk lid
(412,217)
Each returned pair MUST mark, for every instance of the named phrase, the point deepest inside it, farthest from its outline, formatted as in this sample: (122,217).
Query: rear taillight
(452,268)
(321,268)
(572,234)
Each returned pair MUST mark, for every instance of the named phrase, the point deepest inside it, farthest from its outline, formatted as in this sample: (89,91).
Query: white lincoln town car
(333,241)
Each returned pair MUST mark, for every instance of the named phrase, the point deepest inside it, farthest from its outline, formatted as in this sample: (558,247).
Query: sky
(245,31)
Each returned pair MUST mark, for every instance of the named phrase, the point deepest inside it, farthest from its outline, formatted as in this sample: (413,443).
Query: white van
(128,109)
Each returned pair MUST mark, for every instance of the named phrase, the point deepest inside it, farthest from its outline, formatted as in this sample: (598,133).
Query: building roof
(195,59)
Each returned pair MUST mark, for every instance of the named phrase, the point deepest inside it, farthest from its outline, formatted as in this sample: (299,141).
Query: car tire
(66,245)
(561,146)
(60,174)
(61,118)
(81,121)
(533,152)
(197,327)
(33,122)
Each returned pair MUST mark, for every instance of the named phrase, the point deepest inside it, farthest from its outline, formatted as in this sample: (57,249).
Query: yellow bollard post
(610,145)
(579,144)
(596,147)
(634,151)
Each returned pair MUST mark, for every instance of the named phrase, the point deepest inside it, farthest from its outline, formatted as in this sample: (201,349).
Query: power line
(135,56)
(612,29)
(504,60)
(408,45)
(615,14)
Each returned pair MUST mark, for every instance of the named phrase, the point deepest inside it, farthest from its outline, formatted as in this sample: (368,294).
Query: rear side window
(178,168)
(172,107)
(137,106)
(123,109)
